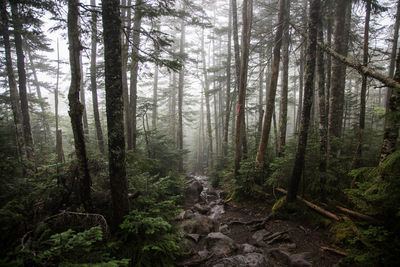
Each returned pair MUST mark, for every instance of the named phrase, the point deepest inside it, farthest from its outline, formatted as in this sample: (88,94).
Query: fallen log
(356,214)
(387,81)
(320,210)
(334,250)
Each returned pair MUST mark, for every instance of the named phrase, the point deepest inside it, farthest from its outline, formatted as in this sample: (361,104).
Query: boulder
(192,191)
(224,228)
(219,243)
(247,248)
(198,224)
(248,260)
(300,260)
(202,209)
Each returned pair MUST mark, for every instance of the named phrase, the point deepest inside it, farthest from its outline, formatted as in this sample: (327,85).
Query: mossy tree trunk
(114,108)
(75,106)
(247,14)
(14,99)
(308,100)
(26,122)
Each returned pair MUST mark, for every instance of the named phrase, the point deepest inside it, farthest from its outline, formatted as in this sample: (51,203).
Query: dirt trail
(225,234)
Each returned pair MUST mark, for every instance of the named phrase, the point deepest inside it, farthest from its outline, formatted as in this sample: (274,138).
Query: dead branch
(387,81)
(320,210)
(334,250)
(356,214)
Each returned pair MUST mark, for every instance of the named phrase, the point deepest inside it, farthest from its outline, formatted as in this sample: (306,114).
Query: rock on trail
(222,234)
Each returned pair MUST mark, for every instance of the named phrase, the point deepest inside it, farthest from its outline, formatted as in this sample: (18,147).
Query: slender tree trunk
(180,96)
(328,59)
(173,108)
(59,147)
(260,98)
(308,99)
(301,87)
(285,82)
(270,106)
(338,78)
(137,20)
(29,145)
(244,65)
(75,107)
(155,87)
(83,99)
(228,103)
(323,120)
(93,82)
(358,155)
(14,100)
(125,36)
(207,98)
(114,107)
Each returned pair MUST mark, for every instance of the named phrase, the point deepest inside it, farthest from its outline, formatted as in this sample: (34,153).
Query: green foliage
(248,179)
(72,248)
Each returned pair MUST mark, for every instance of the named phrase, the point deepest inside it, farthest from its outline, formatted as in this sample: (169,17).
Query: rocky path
(223,234)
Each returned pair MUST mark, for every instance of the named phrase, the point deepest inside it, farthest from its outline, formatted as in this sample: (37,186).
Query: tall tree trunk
(83,99)
(137,20)
(328,58)
(207,98)
(14,100)
(236,49)
(363,94)
(29,145)
(125,39)
(154,114)
(308,99)
(244,65)
(93,82)
(180,95)
(260,98)
(338,78)
(59,147)
(285,82)
(75,107)
(323,120)
(270,106)
(172,113)
(228,103)
(393,124)
(114,108)
(301,88)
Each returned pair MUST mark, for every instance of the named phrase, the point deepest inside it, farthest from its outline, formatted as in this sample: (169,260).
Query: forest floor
(224,233)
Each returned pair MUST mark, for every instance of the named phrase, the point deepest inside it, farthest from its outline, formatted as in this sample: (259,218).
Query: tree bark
(14,100)
(363,94)
(137,20)
(308,99)
(114,108)
(93,82)
(75,107)
(228,103)
(154,114)
(270,106)
(323,120)
(336,102)
(125,36)
(83,99)
(180,95)
(28,139)
(207,98)
(285,82)
(59,148)
(244,65)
